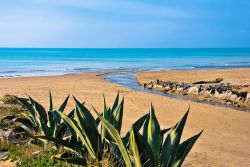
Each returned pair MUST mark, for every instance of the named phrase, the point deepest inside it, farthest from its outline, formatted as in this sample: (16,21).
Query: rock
(224,91)
(157,86)
(233,97)
(247,100)
(148,86)
(229,103)
(179,89)
(193,90)
(243,95)
(167,88)
(4,155)
(225,96)
(218,80)
(216,94)
(221,89)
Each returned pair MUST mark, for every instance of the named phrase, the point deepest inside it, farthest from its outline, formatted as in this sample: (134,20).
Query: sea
(23,62)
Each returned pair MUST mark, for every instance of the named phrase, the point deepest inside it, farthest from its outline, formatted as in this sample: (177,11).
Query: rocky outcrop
(223,91)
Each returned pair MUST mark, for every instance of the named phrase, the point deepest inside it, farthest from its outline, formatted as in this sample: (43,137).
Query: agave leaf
(27,105)
(72,125)
(172,141)
(64,104)
(71,113)
(164,131)
(8,118)
(50,102)
(40,110)
(106,115)
(152,133)
(29,116)
(116,117)
(115,135)
(61,130)
(136,126)
(115,103)
(26,122)
(70,160)
(88,125)
(88,129)
(134,149)
(70,146)
(31,110)
(140,149)
(183,150)
(84,111)
(52,124)
(22,129)
(61,108)
(97,120)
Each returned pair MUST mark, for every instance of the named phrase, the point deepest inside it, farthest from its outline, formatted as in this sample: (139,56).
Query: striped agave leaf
(140,149)
(77,129)
(113,115)
(183,150)
(116,137)
(172,141)
(152,133)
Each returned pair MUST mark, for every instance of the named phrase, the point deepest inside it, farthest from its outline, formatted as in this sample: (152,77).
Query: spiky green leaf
(140,149)
(74,126)
(116,137)
(172,141)
(152,133)
(183,150)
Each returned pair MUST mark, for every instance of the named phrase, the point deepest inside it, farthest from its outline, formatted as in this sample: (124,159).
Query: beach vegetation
(82,139)
(34,119)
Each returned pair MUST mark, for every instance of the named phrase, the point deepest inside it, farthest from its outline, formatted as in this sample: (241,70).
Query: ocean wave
(222,66)
(7,72)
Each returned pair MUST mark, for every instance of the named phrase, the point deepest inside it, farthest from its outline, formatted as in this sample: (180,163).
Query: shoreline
(138,85)
(230,127)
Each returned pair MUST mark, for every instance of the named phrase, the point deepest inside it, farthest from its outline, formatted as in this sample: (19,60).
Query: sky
(125,23)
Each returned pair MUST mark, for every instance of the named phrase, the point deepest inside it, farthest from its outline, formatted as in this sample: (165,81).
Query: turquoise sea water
(17,62)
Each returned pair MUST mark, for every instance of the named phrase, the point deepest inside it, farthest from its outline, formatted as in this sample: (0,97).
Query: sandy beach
(225,141)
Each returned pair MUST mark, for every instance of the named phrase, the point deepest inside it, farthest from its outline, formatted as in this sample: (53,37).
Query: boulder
(157,86)
(179,89)
(247,100)
(216,94)
(167,88)
(233,97)
(193,90)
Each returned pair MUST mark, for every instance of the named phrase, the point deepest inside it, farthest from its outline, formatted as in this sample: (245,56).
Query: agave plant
(148,148)
(134,149)
(84,131)
(36,120)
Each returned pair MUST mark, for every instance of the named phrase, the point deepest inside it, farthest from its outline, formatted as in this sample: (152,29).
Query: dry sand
(224,142)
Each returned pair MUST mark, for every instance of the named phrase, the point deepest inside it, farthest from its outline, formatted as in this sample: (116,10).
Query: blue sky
(124,23)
